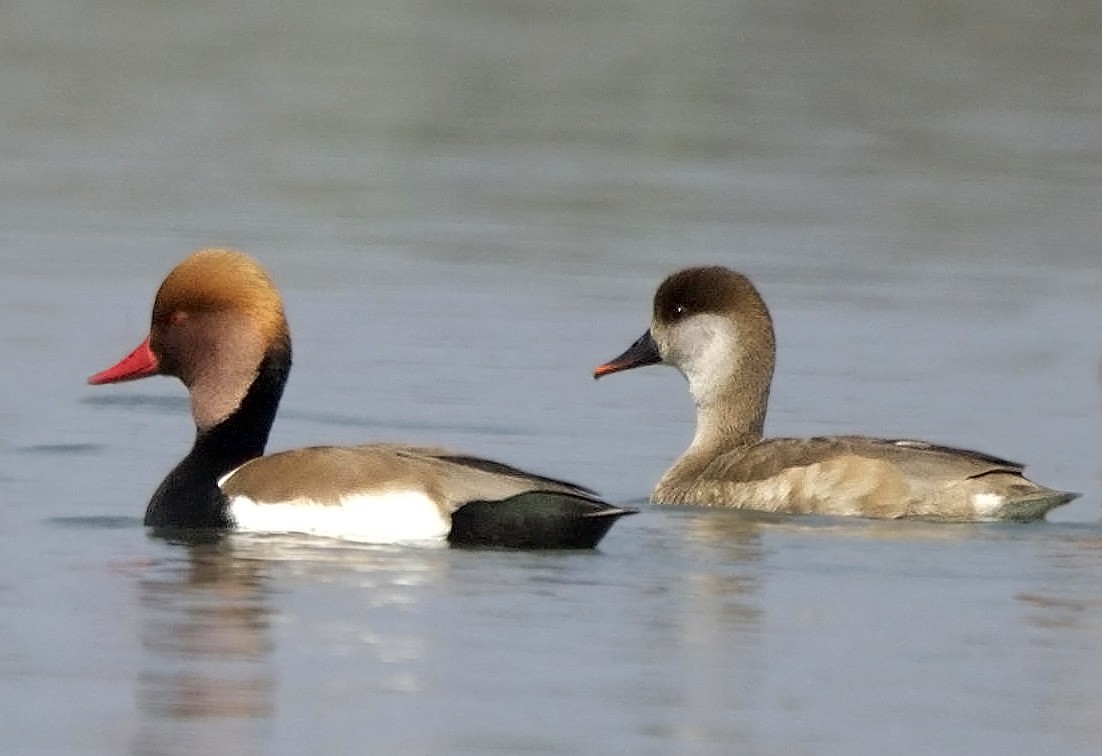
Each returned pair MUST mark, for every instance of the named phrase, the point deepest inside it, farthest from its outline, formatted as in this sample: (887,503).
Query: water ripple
(170,404)
(58,449)
(96,522)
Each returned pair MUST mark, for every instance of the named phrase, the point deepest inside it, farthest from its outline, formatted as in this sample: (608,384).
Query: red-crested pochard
(218,326)
(713,326)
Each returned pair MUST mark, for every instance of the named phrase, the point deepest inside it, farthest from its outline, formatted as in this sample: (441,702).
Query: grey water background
(468,206)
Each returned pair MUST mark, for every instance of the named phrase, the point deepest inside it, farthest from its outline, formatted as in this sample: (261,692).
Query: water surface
(468,207)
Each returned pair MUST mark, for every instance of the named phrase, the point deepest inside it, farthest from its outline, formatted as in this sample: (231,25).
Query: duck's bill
(138,364)
(643,352)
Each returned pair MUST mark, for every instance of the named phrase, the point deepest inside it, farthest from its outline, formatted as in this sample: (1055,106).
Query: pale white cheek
(988,505)
(707,346)
(396,517)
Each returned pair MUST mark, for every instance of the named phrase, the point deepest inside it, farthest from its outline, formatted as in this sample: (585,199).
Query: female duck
(712,325)
(218,326)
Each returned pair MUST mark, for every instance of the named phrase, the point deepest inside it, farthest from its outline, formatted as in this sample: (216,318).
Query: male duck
(218,326)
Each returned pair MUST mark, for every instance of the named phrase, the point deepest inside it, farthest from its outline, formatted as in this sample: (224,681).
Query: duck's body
(712,325)
(393,493)
(218,325)
(859,476)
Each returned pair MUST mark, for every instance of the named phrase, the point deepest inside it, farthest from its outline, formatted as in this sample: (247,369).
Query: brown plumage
(712,325)
(325,474)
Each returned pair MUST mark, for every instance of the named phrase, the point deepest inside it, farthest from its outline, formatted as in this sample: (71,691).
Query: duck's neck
(189,496)
(729,415)
(735,419)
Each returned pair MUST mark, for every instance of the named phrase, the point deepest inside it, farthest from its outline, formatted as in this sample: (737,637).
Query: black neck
(189,497)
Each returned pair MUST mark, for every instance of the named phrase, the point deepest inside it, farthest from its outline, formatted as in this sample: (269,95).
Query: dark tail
(534,520)
(1036,504)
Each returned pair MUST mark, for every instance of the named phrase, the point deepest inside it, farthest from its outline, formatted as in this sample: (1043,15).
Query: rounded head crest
(219,280)
(715,289)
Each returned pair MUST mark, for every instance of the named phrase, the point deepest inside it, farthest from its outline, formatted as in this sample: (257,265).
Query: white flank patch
(988,505)
(394,517)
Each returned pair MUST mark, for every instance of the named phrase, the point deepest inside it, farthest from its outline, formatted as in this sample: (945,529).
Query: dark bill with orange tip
(643,352)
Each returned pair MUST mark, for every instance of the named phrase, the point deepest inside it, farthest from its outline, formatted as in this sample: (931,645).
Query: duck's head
(216,317)
(712,325)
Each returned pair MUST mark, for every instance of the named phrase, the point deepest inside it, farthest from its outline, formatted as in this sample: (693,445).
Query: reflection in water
(1063,613)
(767,612)
(208,625)
(1066,597)
(206,633)
(712,603)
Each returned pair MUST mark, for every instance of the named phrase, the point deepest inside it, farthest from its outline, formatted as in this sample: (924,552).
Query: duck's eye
(672,311)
